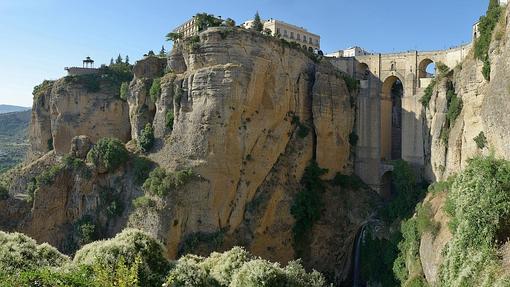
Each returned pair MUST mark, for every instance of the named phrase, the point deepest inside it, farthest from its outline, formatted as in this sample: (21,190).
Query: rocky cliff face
(249,113)
(484,113)
(68,107)
(484,110)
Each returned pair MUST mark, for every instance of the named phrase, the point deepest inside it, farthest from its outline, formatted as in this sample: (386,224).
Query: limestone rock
(69,110)
(80,146)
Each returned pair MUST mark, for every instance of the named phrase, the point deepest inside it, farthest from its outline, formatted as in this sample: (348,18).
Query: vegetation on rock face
(111,76)
(236,268)
(141,169)
(454,108)
(479,206)
(480,140)
(124,89)
(307,205)
(161,182)
(146,138)
(42,88)
(486,27)
(427,94)
(204,21)
(109,153)
(155,89)
(169,120)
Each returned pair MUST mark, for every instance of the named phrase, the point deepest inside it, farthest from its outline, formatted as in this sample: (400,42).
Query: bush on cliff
(479,206)
(486,27)
(109,153)
(161,182)
(155,89)
(146,138)
(133,246)
(307,205)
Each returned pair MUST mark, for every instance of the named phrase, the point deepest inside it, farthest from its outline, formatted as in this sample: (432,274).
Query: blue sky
(38,38)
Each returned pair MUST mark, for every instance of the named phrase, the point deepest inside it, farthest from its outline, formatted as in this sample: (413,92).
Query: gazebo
(88,63)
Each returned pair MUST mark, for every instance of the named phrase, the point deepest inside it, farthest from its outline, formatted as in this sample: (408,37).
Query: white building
(290,33)
(349,53)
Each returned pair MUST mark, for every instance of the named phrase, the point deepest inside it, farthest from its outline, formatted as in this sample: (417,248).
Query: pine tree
(163,51)
(127,59)
(119,60)
(111,62)
(257,23)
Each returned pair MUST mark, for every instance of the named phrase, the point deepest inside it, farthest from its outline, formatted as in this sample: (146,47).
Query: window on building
(298,37)
(317,42)
(304,38)
(310,40)
(292,35)
(277,30)
(285,33)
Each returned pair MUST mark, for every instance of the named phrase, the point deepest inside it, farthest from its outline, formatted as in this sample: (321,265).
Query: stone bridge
(389,120)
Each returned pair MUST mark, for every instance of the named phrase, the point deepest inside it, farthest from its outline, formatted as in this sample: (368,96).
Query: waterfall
(357,253)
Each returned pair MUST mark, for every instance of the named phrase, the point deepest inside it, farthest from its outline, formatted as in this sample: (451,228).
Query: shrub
(19,252)
(425,219)
(136,247)
(141,169)
(42,88)
(124,89)
(111,202)
(161,182)
(143,202)
(442,70)
(109,153)
(307,204)
(121,274)
(85,231)
(427,94)
(146,138)
(486,27)
(408,251)
(479,206)
(454,106)
(480,140)
(238,268)
(352,83)
(47,177)
(155,89)
(169,120)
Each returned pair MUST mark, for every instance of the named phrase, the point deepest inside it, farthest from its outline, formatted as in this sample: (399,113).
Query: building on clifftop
(290,33)
(86,68)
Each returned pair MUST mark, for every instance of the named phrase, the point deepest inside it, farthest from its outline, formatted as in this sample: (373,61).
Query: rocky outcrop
(68,108)
(249,115)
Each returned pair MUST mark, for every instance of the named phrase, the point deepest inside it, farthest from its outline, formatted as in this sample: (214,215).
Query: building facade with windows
(290,33)
(350,52)
(187,29)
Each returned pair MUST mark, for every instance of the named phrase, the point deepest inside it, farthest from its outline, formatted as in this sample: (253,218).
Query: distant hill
(13,138)
(10,109)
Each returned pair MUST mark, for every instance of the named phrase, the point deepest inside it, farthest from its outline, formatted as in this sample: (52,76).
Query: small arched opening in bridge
(391,119)
(426,72)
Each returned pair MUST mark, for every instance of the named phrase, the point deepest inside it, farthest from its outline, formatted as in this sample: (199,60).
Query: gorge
(238,138)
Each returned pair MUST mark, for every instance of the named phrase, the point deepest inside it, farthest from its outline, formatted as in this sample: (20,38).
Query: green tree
(146,139)
(162,52)
(230,22)
(257,23)
(111,61)
(127,59)
(119,60)
(172,36)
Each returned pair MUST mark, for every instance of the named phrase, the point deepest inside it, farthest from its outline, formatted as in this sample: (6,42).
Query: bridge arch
(391,118)
(426,72)
(362,71)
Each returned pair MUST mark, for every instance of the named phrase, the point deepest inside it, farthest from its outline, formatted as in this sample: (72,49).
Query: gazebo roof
(88,60)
